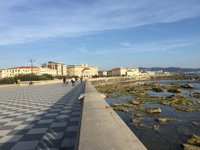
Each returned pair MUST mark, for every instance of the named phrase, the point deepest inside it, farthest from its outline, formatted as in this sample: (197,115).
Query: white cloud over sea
(23,21)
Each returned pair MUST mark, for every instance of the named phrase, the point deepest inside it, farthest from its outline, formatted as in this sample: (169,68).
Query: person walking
(64,80)
(73,81)
(81,79)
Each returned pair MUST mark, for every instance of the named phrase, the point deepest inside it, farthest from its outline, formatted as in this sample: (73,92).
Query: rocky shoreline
(141,103)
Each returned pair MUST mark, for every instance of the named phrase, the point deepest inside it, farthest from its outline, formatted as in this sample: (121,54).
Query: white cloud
(163,46)
(29,20)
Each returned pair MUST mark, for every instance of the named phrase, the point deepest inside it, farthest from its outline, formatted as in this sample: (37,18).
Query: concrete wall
(102,128)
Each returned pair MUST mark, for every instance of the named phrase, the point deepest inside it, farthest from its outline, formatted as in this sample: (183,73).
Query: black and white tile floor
(45,117)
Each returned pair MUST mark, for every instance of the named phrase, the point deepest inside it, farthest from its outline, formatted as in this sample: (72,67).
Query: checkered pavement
(40,117)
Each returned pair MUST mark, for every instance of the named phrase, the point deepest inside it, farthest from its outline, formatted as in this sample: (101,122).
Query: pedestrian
(81,79)
(18,82)
(64,80)
(73,81)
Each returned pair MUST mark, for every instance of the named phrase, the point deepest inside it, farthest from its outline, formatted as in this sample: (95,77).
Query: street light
(31,61)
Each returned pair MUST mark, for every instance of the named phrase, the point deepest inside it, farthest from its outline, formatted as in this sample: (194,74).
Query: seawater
(171,135)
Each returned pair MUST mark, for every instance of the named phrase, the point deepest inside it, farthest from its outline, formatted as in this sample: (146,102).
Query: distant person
(76,78)
(18,82)
(73,81)
(64,80)
(81,79)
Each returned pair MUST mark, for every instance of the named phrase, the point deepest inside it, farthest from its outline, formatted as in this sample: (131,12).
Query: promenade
(40,117)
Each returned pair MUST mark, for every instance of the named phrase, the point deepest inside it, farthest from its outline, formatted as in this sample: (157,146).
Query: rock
(177,96)
(174,90)
(196,123)
(195,95)
(121,109)
(157,89)
(187,86)
(156,127)
(164,120)
(136,102)
(194,140)
(136,120)
(115,105)
(155,84)
(139,115)
(153,110)
(190,147)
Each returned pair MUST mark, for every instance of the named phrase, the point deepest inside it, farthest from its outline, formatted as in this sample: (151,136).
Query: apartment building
(119,71)
(125,72)
(11,72)
(102,73)
(61,69)
(52,72)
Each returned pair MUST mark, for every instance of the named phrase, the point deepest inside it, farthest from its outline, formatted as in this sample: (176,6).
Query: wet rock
(190,147)
(157,89)
(136,102)
(194,140)
(196,123)
(164,120)
(115,105)
(156,127)
(187,86)
(155,84)
(174,90)
(139,115)
(136,120)
(195,95)
(121,109)
(177,96)
(153,110)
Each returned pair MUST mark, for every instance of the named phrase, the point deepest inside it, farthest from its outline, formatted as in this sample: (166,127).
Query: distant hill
(172,69)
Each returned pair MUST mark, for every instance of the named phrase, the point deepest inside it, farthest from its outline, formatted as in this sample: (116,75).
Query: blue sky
(105,33)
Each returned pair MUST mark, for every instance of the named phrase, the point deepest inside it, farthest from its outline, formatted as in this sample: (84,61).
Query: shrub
(26,77)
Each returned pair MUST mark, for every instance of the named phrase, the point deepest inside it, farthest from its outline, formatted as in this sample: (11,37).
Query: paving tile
(59,124)
(37,131)
(10,138)
(25,126)
(68,142)
(46,121)
(13,123)
(72,128)
(53,135)
(33,118)
(4,132)
(25,145)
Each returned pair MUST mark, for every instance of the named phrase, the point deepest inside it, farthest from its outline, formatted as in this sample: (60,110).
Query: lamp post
(31,61)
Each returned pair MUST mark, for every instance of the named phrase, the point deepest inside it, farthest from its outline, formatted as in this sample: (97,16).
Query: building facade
(52,72)
(133,72)
(119,71)
(61,69)
(11,72)
(82,70)
(102,73)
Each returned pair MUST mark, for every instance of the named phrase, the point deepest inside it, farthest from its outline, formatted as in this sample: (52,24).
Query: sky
(104,33)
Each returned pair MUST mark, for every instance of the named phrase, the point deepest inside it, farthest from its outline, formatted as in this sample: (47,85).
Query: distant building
(119,71)
(61,69)
(133,72)
(82,70)
(11,72)
(102,73)
(109,73)
(52,72)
